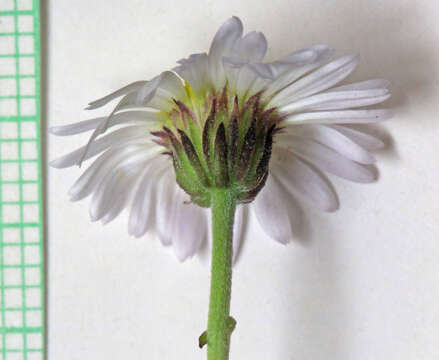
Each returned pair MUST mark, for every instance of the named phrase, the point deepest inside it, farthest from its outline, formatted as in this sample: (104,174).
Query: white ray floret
(314,137)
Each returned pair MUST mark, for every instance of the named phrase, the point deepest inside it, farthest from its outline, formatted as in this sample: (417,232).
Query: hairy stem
(220,324)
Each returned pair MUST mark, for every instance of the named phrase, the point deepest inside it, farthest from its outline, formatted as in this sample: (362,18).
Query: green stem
(220,324)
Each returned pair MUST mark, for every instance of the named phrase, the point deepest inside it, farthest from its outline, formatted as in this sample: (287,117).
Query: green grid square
(8,106)
(25,24)
(7,5)
(7,45)
(26,65)
(21,242)
(8,87)
(7,67)
(7,24)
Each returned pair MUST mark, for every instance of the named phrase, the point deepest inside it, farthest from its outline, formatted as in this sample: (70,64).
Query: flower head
(227,119)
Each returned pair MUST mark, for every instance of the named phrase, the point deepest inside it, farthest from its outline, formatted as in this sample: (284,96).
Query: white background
(362,283)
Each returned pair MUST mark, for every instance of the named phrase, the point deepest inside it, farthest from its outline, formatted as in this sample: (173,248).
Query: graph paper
(21,223)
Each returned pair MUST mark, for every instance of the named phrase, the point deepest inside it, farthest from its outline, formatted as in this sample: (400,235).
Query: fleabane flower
(268,131)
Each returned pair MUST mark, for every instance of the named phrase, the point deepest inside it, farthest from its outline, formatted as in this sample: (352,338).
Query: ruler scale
(22,289)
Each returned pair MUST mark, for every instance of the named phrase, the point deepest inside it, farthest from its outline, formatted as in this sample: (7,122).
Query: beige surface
(365,284)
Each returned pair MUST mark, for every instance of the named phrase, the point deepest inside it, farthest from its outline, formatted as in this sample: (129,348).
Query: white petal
(302,180)
(199,73)
(190,59)
(76,128)
(333,139)
(140,97)
(340,117)
(147,91)
(248,83)
(338,100)
(272,213)
(115,138)
(225,38)
(364,85)
(296,64)
(195,72)
(245,82)
(162,101)
(302,57)
(165,207)
(328,160)
(143,205)
(307,56)
(117,181)
(99,170)
(125,90)
(128,117)
(265,71)
(292,66)
(119,203)
(190,230)
(104,197)
(319,80)
(172,85)
(252,47)
(94,174)
(363,139)
(141,168)
(234,62)
(103,126)
(114,212)
(222,44)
